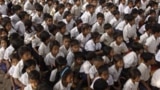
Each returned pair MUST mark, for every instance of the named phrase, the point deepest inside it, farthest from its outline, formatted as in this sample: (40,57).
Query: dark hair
(110,5)
(14,55)
(27,64)
(140,11)
(134,73)
(65,72)
(5,21)
(147,56)
(53,43)
(130,18)
(15,8)
(100,15)
(78,55)
(38,7)
(34,75)
(44,35)
(134,11)
(60,6)
(5,38)
(52,28)
(16,43)
(22,15)
(102,69)
(155,28)
(78,21)
(60,25)
(13,36)
(148,26)
(90,55)
(22,50)
(85,26)
(98,58)
(38,28)
(115,12)
(136,46)
(89,6)
(74,42)
(60,61)
(152,11)
(126,17)
(102,2)
(107,26)
(137,1)
(66,13)
(95,35)
(107,50)
(66,37)
(117,58)
(46,16)
(117,34)
(100,84)
(28,26)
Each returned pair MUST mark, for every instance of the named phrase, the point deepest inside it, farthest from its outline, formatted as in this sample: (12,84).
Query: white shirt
(63,50)
(45,26)
(43,49)
(50,59)
(93,72)
(11,70)
(74,32)
(59,38)
(121,8)
(37,19)
(24,78)
(28,87)
(91,46)
(14,19)
(159,19)
(2,51)
(28,37)
(36,41)
(70,58)
(143,38)
(144,4)
(85,67)
(152,44)
(155,81)
(57,17)
(119,49)
(47,9)
(83,39)
(114,73)
(129,85)
(3,9)
(108,16)
(69,25)
(29,7)
(20,28)
(121,25)
(130,60)
(59,86)
(129,32)
(99,9)
(88,18)
(18,69)
(114,22)
(53,75)
(8,52)
(142,29)
(145,71)
(98,28)
(106,39)
(76,11)
(127,10)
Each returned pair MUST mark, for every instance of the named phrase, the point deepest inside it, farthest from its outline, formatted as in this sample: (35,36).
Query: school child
(152,42)
(89,16)
(36,39)
(48,6)
(145,69)
(54,8)
(133,82)
(116,19)
(148,31)
(94,44)
(121,7)
(24,54)
(43,49)
(62,30)
(137,4)
(130,32)
(37,18)
(100,84)
(4,43)
(155,80)
(34,80)
(3,8)
(29,7)
(107,37)
(93,72)
(68,20)
(47,21)
(53,54)
(128,8)
(58,16)
(60,64)
(98,26)
(66,80)
(66,45)
(20,27)
(77,29)
(76,9)
(29,66)
(75,47)
(100,8)
(118,45)
(85,35)
(53,29)
(68,6)
(102,74)
(115,71)
(84,5)
(14,18)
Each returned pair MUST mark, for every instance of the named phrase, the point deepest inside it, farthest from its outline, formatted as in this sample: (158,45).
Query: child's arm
(17,82)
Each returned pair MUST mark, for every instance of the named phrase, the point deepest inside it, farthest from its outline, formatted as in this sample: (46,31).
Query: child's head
(123,1)
(111,7)
(28,26)
(108,28)
(148,28)
(48,19)
(90,55)
(75,45)
(100,84)
(90,8)
(98,61)
(2,2)
(135,75)
(60,62)
(155,30)
(24,53)
(103,72)
(78,57)
(118,61)
(3,33)
(108,51)
(137,47)
(14,58)
(67,76)
(148,58)
(96,37)
(130,3)
(118,36)
(138,3)
(45,37)
(29,66)
(23,15)
(16,43)
(49,2)
(79,23)
(62,27)
(54,47)
(66,41)
(131,19)
(116,14)
(38,28)
(34,78)
(53,29)
(100,18)
(16,9)
(4,42)
(68,16)
(6,23)
(77,2)
(102,2)
(152,13)
(86,29)
(68,6)
(134,13)
(61,8)
(39,9)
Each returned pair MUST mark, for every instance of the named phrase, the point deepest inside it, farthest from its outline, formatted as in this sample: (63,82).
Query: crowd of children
(80,44)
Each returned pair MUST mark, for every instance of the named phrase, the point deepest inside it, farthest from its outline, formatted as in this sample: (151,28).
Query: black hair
(100,84)
(60,25)
(66,13)
(126,16)
(74,42)
(147,56)
(134,11)
(155,28)
(100,15)
(102,69)
(140,11)
(47,16)
(78,21)
(102,2)
(22,50)
(136,46)
(117,34)
(85,26)
(148,26)
(5,38)
(134,73)
(98,58)
(52,28)
(13,36)
(152,11)
(110,5)
(78,55)
(66,37)
(115,12)
(107,50)
(95,35)
(22,15)
(16,43)
(27,64)
(130,18)
(15,8)
(60,6)
(28,26)
(53,43)
(90,55)
(34,75)
(38,28)
(5,21)
(89,6)
(14,55)
(65,72)
(117,58)
(38,7)
(107,26)
(44,35)
(60,61)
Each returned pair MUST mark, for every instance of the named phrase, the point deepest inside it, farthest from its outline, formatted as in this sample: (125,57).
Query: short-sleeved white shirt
(36,41)
(106,39)
(85,67)
(53,75)
(64,50)
(59,38)
(2,52)
(3,9)
(114,73)
(69,25)
(108,16)
(14,19)
(29,7)
(59,86)
(121,25)
(127,10)
(155,80)
(45,26)
(98,28)
(8,52)
(24,78)
(58,17)
(37,19)
(70,58)
(88,18)
(93,72)
(143,38)
(129,85)
(20,28)
(43,50)
(74,32)
(18,69)
(11,70)
(119,49)
(28,87)
(83,39)
(91,46)
(76,11)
